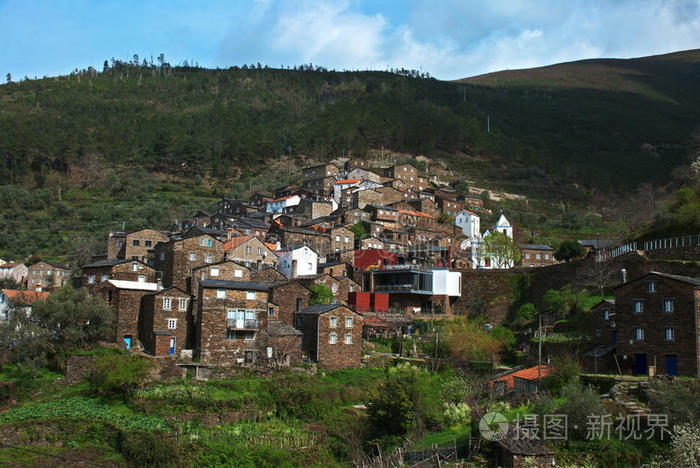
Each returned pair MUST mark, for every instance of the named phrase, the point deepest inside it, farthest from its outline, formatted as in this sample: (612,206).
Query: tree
(500,249)
(599,275)
(469,340)
(118,374)
(359,229)
(81,249)
(321,294)
(9,77)
(524,316)
(569,250)
(274,351)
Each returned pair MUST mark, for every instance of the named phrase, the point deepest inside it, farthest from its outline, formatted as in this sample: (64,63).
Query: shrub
(457,415)
(117,374)
(685,446)
(580,403)
(147,448)
(680,400)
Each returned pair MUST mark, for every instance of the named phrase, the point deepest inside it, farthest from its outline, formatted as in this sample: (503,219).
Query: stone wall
(340,354)
(489,289)
(286,297)
(78,367)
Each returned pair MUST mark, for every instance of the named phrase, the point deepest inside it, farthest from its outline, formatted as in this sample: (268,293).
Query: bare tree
(275,351)
(600,275)
(82,249)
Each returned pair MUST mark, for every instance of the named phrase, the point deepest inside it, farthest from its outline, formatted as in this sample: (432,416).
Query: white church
(470,224)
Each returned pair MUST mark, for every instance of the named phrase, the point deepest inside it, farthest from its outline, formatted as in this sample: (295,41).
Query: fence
(656,244)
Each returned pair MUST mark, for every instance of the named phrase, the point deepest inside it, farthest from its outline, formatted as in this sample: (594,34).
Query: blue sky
(449,39)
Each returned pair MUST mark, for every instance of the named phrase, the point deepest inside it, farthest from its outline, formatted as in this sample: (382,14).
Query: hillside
(148,143)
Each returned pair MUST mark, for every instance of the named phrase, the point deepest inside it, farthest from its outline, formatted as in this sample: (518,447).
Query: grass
(444,438)
(13,373)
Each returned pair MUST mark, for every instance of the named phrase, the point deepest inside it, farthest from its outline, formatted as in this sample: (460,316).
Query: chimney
(294,269)
(623,276)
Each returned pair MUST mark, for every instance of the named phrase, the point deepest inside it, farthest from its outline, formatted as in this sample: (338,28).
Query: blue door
(127,340)
(614,336)
(172,345)
(671,364)
(640,364)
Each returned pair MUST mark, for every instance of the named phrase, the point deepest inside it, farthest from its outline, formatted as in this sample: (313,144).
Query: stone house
(364,174)
(100,271)
(335,268)
(450,206)
(267,273)
(384,215)
(47,275)
(310,209)
(322,186)
(16,271)
(346,285)
(136,245)
(175,259)
(472,203)
(319,171)
(235,207)
(260,200)
(227,270)
(409,175)
(250,251)
(125,298)
(296,236)
(284,343)
(389,195)
(342,188)
(356,215)
(422,204)
(657,323)
(290,297)
(370,243)
(284,191)
(332,335)
(602,327)
(536,255)
(324,279)
(411,219)
(251,226)
(341,238)
(229,316)
(163,322)
(362,198)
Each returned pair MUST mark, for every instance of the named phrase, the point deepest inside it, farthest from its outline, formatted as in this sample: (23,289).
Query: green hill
(146,143)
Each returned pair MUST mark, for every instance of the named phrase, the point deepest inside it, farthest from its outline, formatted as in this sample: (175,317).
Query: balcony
(240,324)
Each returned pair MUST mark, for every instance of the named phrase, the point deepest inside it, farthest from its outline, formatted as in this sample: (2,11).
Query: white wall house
(504,226)
(470,224)
(446,282)
(341,185)
(278,205)
(16,271)
(298,261)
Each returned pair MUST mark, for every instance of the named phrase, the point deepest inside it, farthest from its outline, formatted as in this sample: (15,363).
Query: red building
(377,258)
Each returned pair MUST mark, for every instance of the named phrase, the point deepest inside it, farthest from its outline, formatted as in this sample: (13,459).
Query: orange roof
(347,181)
(283,198)
(415,213)
(527,374)
(27,297)
(9,265)
(235,242)
(271,246)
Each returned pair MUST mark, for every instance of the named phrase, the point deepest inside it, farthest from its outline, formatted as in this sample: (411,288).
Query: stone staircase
(624,393)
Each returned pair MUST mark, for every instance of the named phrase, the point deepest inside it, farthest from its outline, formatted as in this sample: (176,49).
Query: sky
(450,39)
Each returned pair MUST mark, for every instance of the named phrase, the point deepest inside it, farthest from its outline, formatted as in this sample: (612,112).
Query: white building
(16,271)
(278,205)
(470,224)
(446,282)
(341,185)
(298,261)
(504,226)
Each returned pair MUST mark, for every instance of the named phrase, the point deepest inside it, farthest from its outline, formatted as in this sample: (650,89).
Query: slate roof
(535,246)
(318,309)
(239,285)
(685,279)
(278,328)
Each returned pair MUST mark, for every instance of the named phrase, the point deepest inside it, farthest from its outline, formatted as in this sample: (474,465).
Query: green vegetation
(321,294)
(569,250)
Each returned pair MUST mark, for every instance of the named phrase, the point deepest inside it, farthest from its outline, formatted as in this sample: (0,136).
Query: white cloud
(453,39)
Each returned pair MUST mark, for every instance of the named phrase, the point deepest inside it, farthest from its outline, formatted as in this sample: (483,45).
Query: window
(148,243)
(104,276)
(120,244)
(311,266)
(182,303)
(670,333)
(332,338)
(193,256)
(651,286)
(248,249)
(668,305)
(142,278)
(167,303)
(300,321)
(537,257)
(91,279)
(260,251)
(546,256)
(203,241)
(250,295)
(271,311)
(207,258)
(347,239)
(172,324)
(213,272)
(221,294)
(638,305)
(337,238)
(348,322)
(638,333)
(162,256)
(334,322)
(134,266)
(135,242)
(606,314)
(238,273)
(597,333)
